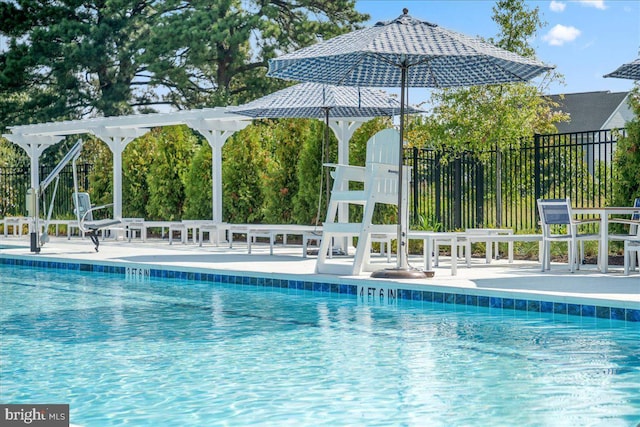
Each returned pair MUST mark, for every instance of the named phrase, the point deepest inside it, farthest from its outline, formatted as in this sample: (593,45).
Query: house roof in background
(588,110)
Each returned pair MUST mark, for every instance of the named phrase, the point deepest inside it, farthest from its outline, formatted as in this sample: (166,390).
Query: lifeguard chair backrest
(383,147)
(381,167)
(83,205)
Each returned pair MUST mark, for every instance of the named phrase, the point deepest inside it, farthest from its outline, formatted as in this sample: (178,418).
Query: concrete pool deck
(521,279)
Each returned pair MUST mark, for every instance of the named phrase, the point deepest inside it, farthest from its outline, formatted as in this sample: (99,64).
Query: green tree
(70,59)
(481,116)
(280,184)
(99,155)
(243,172)
(198,186)
(627,158)
(174,150)
(137,159)
(308,172)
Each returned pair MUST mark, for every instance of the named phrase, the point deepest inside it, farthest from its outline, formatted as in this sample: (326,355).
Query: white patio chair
(631,244)
(630,238)
(380,178)
(559,225)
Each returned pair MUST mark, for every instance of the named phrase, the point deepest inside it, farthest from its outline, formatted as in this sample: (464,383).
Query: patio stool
(385,244)
(133,226)
(214,231)
(178,227)
(308,236)
(252,235)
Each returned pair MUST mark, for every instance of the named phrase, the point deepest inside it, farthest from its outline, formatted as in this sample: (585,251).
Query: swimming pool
(163,352)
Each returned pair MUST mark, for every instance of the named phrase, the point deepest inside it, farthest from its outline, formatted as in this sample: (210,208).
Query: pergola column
(117,140)
(216,133)
(34,145)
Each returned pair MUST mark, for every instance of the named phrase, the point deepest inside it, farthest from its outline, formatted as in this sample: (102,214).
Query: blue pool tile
(546,306)
(472,300)
(533,306)
(633,315)
(574,309)
(603,312)
(483,301)
(508,303)
(404,294)
(495,302)
(617,313)
(588,311)
(416,295)
(560,308)
(521,304)
(427,296)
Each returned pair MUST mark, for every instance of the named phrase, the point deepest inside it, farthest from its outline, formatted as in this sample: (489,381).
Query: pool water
(180,353)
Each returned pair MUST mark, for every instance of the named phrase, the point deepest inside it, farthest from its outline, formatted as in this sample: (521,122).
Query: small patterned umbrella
(314,100)
(405,52)
(630,70)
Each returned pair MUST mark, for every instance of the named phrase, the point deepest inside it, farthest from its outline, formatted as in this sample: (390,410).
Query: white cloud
(598,4)
(560,35)
(557,6)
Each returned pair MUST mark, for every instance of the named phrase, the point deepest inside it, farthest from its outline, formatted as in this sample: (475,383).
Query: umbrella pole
(402,259)
(402,270)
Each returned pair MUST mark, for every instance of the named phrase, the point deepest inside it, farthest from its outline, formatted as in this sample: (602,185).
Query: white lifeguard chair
(380,178)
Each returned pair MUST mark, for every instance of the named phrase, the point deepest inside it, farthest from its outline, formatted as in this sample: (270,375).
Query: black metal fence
(489,189)
(500,188)
(15,181)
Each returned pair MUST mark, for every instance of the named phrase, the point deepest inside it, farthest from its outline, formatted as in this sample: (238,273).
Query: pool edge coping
(506,300)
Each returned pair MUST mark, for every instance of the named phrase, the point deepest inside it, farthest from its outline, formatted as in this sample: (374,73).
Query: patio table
(604,213)
(428,237)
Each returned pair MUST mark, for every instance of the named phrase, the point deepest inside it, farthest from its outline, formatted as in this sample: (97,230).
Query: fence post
(416,185)
(536,166)
(437,180)
(479,193)
(457,193)
(498,186)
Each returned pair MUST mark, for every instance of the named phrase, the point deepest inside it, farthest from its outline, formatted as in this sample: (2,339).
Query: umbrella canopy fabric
(433,56)
(630,70)
(312,100)
(405,52)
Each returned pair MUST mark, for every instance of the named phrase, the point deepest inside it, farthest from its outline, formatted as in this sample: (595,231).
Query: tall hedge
(198,202)
(308,172)
(175,146)
(243,172)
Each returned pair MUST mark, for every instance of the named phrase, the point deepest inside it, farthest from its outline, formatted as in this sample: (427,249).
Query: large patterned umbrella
(405,52)
(630,70)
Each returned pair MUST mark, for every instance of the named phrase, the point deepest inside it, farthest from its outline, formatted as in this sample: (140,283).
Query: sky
(584,39)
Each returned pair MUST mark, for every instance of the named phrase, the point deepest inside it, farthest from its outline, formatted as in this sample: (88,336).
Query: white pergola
(215,124)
